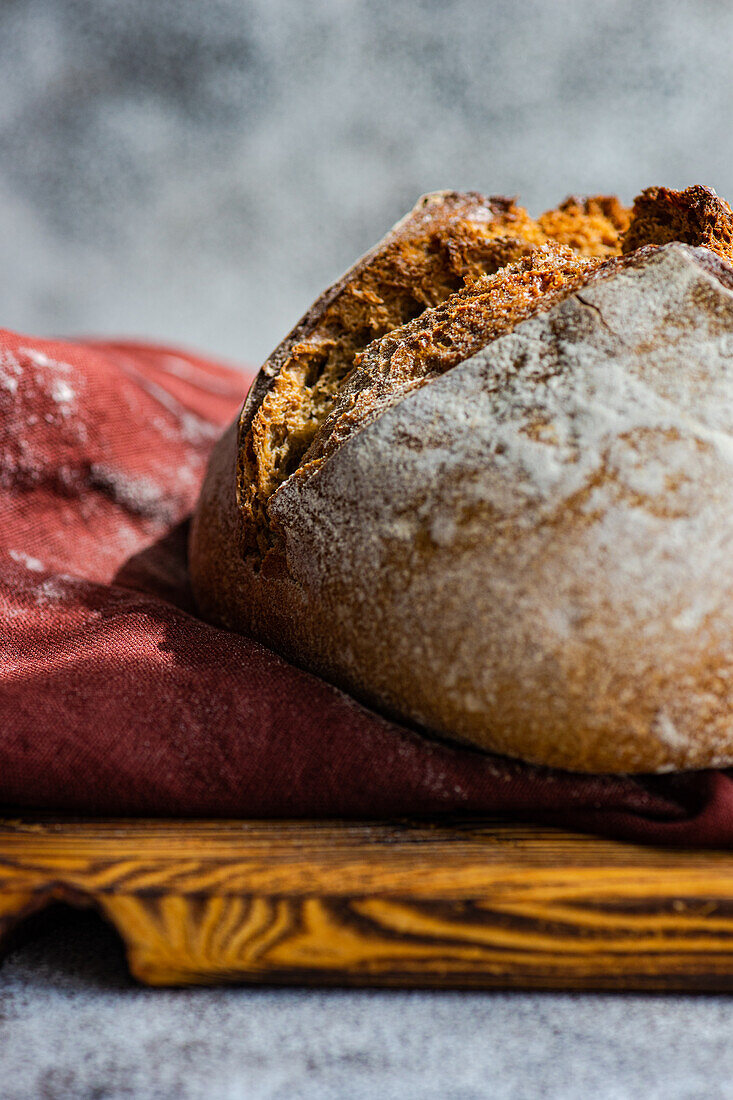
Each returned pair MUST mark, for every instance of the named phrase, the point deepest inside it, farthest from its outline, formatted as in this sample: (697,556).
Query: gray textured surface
(199,171)
(73,1026)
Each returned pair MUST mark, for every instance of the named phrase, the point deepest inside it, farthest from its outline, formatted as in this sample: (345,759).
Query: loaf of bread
(486,483)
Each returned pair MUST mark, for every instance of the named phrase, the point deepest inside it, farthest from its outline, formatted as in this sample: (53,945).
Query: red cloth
(116,699)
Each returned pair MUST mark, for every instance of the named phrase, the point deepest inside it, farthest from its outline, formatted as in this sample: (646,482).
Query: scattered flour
(10,372)
(50,591)
(40,359)
(29,562)
(62,393)
(667,731)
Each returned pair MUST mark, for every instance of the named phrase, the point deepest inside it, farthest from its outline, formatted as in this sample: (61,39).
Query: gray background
(197,171)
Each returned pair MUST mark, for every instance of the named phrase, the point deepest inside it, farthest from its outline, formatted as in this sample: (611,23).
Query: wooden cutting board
(479,904)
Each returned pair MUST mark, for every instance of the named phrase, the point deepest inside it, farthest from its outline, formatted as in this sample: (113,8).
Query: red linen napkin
(116,699)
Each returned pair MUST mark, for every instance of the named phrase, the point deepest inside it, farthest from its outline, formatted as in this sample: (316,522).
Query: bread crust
(449,237)
(531,552)
(425,256)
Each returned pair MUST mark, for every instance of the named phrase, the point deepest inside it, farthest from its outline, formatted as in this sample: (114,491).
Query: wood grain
(464,904)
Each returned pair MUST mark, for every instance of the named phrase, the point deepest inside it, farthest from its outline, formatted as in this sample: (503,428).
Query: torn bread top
(458,272)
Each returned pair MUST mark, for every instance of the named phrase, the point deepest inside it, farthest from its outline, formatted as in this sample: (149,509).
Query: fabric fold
(116,699)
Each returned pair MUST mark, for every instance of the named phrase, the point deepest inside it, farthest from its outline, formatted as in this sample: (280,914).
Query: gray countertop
(73,1025)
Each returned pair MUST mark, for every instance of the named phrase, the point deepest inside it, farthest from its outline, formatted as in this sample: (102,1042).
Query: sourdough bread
(502,510)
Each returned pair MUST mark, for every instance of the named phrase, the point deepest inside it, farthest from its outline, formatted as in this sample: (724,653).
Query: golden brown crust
(696,216)
(448,238)
(486,308)
(591,226)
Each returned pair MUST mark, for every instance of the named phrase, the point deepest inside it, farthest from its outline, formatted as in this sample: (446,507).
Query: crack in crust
(440,338)
(447,239)
(460,270)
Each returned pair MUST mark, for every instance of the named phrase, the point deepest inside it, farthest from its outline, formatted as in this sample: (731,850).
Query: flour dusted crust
(449,237)
(511,521)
